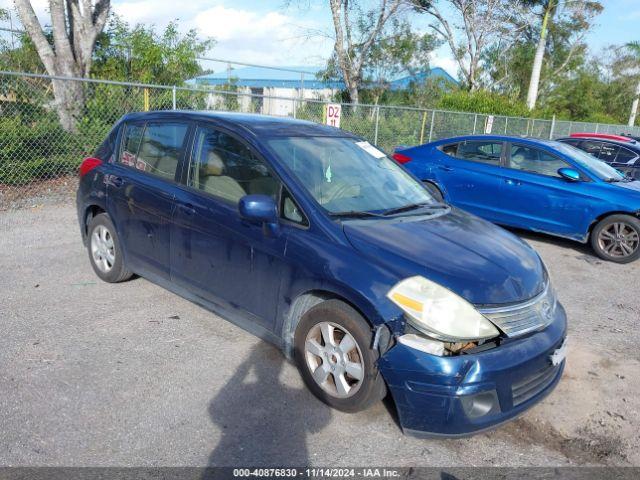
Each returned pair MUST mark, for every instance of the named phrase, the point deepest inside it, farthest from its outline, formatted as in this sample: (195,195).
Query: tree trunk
(634,107)
(75,28)
(69,100)
(536,69)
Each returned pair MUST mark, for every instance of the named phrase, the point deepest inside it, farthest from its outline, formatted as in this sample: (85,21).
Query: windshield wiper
(355,214)
(413,206)
(612,180)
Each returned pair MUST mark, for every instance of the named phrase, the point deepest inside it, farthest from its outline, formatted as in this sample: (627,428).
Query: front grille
(533,385)
(534,314)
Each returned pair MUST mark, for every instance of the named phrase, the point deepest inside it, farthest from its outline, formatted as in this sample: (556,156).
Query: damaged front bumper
(461,395)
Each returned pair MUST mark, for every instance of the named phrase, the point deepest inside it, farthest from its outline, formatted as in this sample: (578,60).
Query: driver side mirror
(258,208)
(569,174)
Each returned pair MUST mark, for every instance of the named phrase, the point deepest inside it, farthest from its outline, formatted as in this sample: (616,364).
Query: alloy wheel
(619,240)
(102,248)
(334,359)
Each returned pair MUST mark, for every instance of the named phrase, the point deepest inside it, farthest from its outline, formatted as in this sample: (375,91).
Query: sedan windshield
(347,176)
(599,168)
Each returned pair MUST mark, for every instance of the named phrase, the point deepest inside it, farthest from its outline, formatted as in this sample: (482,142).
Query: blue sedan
(315,240)
(539,185)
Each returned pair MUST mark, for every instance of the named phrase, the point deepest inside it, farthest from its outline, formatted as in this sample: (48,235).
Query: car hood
(633,186)
(479,261)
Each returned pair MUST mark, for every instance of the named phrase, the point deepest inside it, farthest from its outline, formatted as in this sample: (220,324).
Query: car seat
(212,180)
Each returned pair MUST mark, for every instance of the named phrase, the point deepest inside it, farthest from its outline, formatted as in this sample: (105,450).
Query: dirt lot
(130,374)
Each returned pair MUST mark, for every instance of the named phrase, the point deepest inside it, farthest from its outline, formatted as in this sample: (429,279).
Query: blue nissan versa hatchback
(315,240)
(540,185)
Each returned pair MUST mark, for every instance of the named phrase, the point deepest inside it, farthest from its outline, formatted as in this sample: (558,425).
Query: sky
(273,32)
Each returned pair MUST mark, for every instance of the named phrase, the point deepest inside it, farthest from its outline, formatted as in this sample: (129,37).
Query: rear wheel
(617,238)
(105,252)
(333,354)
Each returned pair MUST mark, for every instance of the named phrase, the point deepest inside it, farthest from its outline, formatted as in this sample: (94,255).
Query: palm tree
(634,50)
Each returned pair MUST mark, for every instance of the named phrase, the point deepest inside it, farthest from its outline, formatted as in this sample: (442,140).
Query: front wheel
(334,356)
(617,238)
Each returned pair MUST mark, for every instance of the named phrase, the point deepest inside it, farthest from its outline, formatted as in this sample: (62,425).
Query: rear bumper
(467,394)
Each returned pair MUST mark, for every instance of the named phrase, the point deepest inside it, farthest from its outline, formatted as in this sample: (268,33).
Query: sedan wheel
(103,249)
(335,360)
(619,240)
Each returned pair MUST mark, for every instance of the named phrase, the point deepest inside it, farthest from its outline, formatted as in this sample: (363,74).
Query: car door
(140,192)
(470,173)
(536,197)
(215,253)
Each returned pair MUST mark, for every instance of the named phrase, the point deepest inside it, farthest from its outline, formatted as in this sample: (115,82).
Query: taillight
(89,164)
(401,159)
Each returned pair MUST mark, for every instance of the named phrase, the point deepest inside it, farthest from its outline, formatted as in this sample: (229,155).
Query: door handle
(446,168)
(187,208)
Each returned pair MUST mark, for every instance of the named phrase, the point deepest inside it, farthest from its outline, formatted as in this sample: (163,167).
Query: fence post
(424,123)
(375,134)
(295,110)
(506,122)
(553,127)
(475,123)
(433,116)
(145,97)
(173,97)
(597,126)
(533,126)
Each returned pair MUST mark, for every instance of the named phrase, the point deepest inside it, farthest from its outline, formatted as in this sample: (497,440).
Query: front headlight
(440,313)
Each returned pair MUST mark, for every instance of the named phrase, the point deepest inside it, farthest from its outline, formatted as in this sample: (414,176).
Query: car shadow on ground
(262,420)
(580,248)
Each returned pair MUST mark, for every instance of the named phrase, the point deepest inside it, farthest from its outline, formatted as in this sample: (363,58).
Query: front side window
(592,147)
(535,160)
(347,175)
(154,148)
(626,156)
(480,151)
(223,166)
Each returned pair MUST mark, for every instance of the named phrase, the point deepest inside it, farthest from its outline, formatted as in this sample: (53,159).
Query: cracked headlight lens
(438,312)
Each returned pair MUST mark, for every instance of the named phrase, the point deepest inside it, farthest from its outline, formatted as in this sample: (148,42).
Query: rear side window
(591,147)
(608,152)
(478,151)
(106,150)
(154,148)
(223,166)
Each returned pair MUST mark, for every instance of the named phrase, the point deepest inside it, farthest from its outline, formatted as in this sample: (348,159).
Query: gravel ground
(94,374)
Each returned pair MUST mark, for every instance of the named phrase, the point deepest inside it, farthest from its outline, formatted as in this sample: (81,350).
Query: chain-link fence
(42,141)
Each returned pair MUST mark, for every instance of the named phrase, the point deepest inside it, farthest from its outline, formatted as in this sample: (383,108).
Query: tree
(402,51)
(141,54)
(355,33)
(482,25)
(634,51)
(75,26)
(581,12)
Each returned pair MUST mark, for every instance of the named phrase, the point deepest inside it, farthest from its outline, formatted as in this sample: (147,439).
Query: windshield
(599,168)
(347,175)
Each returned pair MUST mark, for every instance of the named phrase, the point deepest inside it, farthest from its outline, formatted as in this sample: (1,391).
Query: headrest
(214,165)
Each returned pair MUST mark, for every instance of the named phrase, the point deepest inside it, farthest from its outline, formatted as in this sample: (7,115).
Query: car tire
(342,372)
(616,238)
(105,251)
(435,191)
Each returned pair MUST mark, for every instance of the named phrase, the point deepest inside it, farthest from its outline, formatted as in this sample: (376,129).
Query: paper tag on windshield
(371,150)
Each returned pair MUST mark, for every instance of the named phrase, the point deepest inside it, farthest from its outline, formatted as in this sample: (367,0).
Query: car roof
(604,136)
(499,138)
(252,123)
(632,145)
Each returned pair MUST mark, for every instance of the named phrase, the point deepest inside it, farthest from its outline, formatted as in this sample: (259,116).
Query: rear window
(154,148)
